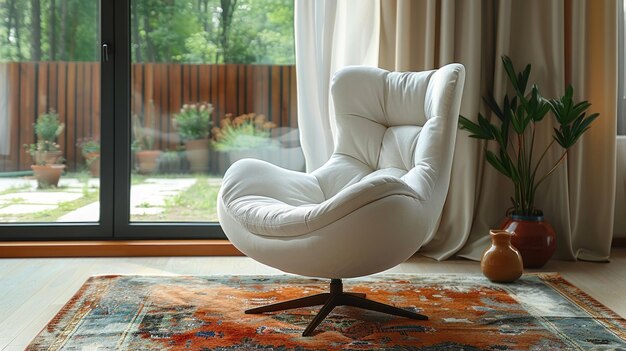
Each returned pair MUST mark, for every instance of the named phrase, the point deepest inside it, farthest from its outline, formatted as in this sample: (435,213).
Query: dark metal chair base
(330,300)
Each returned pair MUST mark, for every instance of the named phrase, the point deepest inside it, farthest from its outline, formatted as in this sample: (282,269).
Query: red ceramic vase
(533,237)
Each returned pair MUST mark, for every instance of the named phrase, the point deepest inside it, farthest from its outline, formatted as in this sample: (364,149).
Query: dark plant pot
(147,161)
(533,237)
(47,175)
(197,152)
(171,164)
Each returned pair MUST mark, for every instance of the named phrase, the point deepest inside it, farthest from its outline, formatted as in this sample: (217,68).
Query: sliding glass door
(139,106)
(52,103)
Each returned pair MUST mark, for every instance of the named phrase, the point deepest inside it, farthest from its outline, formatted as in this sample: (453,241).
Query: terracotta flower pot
(197,152)
(501,262)
(93,161)
(147,161)
(533,237)
(47,157)
(47,175)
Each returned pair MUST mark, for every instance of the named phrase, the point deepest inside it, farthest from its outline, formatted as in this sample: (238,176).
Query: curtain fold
(566,41)
(592,166)
(329,35)
(620,183)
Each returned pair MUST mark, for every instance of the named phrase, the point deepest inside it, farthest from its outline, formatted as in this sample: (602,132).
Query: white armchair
(372,205)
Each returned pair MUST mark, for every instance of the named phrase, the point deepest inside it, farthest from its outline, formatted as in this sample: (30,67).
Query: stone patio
(147,198)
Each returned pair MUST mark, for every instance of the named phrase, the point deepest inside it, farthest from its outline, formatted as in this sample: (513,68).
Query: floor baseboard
(112,248)
(138,248)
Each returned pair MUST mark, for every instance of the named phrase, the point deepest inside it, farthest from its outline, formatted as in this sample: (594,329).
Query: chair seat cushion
(293,203)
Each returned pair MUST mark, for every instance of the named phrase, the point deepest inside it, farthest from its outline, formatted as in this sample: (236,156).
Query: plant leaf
(493,105)
(496,163)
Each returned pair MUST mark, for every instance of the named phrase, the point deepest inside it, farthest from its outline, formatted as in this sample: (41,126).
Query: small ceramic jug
(501,262)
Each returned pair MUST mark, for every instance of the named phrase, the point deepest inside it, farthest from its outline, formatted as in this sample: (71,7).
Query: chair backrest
(394,124)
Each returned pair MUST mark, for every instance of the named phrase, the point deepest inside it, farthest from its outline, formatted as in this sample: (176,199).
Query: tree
(35,20)
(52,32)
(226,11)
(63,31)
(251,32)
(188,31)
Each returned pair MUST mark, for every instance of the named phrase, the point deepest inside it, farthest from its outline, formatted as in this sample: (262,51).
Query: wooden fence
(158,92)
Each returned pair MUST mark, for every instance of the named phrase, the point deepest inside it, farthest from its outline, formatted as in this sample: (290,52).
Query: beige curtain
(567,42)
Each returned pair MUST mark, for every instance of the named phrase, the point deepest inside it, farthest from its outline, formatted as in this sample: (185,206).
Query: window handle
(105,52)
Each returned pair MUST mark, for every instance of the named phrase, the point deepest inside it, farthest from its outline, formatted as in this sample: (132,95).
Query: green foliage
(213,31)
(194,121)
(47,129)
(67,30)
(248,131)
(572,120)
(185,31)
(89,146)
(159,29)
(90,149)
(170,162)
(41,150)
(200,48)
(197,201)
(519,115)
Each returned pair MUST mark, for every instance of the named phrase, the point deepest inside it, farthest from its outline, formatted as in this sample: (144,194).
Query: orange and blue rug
(467,312)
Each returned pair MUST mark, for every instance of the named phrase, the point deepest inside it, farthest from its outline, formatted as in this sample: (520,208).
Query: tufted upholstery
(379,196)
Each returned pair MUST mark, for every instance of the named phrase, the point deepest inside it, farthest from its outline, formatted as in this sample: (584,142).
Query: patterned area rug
(467,312)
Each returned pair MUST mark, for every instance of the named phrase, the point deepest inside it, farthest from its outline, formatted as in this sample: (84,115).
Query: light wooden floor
(33,290)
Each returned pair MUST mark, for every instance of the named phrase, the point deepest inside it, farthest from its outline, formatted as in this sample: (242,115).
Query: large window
(139,106)
(49,111)
(212,82)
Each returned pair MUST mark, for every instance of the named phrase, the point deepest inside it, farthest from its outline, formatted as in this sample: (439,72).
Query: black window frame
(115,174)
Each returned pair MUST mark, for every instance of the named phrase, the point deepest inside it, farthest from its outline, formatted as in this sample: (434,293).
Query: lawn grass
(198,203)
(15,189)
(52,215)
(63,208)
(90,195)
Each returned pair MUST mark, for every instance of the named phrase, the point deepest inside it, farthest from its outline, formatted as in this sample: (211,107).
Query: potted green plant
(47,130)
(250,136)
(193,124)
(90,149)
(45,152)
(247,131)
(143,146)
(517,159)
(171,161)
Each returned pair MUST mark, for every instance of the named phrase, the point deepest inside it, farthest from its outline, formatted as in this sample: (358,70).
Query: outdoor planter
(172,162)
(147,161)
(47,175)
(52,157)
(93,161)
(197,152)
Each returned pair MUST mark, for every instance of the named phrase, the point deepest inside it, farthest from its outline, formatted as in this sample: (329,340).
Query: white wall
(620,195)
